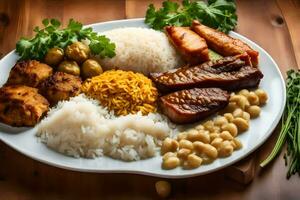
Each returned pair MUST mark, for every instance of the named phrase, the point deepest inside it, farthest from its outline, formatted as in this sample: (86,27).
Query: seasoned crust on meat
(21,105)
(30,73)
(60,86)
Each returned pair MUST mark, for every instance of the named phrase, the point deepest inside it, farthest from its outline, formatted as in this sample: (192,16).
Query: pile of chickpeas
(214,138)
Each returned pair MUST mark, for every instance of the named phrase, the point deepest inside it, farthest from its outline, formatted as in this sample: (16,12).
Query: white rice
(86,129)
(141,50)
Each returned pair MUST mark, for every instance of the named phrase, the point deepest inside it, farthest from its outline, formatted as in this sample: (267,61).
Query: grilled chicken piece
(30,73)
(224,44)
(230,73)
(60,86)
(192,47)
(21,105)
(188,106)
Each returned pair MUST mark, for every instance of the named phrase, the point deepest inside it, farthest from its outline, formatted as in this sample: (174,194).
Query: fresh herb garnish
(52,36)
(218,14)
(290,127)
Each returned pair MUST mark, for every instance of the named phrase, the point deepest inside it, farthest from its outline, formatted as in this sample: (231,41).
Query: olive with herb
(54,56)
(78,52)
(70,67)
(90,68)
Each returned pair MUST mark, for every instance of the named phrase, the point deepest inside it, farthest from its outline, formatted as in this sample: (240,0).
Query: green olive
(90,68)
(54,56)
(70,67)
(78,52)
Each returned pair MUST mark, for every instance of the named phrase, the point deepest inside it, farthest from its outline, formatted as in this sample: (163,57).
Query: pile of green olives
(74,60)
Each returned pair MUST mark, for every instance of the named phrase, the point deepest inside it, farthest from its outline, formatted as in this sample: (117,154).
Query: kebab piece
(192,47)
(224,44)
(21,105)
(229,73)
(30,73)
(187,106)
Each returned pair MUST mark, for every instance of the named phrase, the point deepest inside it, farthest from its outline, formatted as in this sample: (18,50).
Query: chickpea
(163,188)
(229,117)
(216,129)
(241,123)
(254,111)
(217,142)
(168,155)
(253,98)
(206,149)
(203,136)
(54,56)
(231,128)
(69,67)
(240,100)
(186,144)
(246,116)
(170,163)
(237,113)
(78,52)
(262,95)
(237,143)
(214,136)
(225,149)
(169,145)
(225,135)
(244,92)
(183,153)
(192,135)
(219,121)
(231,107)
(208,125)
(193,161)
(181,136)
(199,127)
(90,68)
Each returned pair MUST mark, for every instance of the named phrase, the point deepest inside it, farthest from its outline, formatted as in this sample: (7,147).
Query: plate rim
(156,174)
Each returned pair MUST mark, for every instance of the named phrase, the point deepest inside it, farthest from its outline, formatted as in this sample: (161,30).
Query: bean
(262,95)
(214,136)
(181,136)
(240,100)
(237,113)
(229,117)
(225,149)
(225,135)
(185,144)
(169,145)
(217,142)
(208,125)
(244,92)
(220,120)
(238,143)
(193,135)
(254,111)
(168,155)
(253,98)
(199,127)
(206,149)
(204,136)
(231,128)
(163,188)
(183,153)
(241,124)
(193,161)
(171,163)
(246,116)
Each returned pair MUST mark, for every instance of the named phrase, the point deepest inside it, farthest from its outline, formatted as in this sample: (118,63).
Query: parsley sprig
(52,36)
(218,14)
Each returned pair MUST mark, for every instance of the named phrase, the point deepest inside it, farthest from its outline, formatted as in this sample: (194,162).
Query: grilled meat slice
(192,47)
(21,105)
(224,44)
(187,106)
(30,73)
(60,86)
(230,73)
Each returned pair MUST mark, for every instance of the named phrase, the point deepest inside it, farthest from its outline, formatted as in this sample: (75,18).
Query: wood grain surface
(272,24)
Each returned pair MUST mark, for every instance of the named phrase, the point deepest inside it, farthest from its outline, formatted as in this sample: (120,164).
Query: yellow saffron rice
(124,92)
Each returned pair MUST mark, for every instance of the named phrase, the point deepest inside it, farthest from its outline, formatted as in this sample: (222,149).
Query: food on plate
(54,56)
(123,92)
(91,68)
(21,105)
(218,14)
(69,67)
(230,73)
(30,73)
(77,51)
(60,86)
(88,129)
(141,50)
(188,106)
(290,127)
(192,47)
(209,140)
(224,44)
(51,35)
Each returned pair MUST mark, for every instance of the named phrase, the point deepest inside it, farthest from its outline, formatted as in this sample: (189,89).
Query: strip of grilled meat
(230,73)
(187,106)
(192,47)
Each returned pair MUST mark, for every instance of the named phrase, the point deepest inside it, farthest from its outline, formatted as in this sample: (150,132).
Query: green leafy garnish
(218,14)
(52,36)
(290,127)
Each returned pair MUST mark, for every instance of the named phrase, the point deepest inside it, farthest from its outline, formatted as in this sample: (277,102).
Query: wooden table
(274,25)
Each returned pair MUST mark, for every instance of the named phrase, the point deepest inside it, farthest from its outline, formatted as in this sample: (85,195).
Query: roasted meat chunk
(230,73)
(30,73)
(224,44)
(60,86)
(21,105)
(187,106)
(192,47)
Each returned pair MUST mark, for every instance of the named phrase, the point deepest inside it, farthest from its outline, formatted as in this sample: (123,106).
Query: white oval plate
(24,140)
